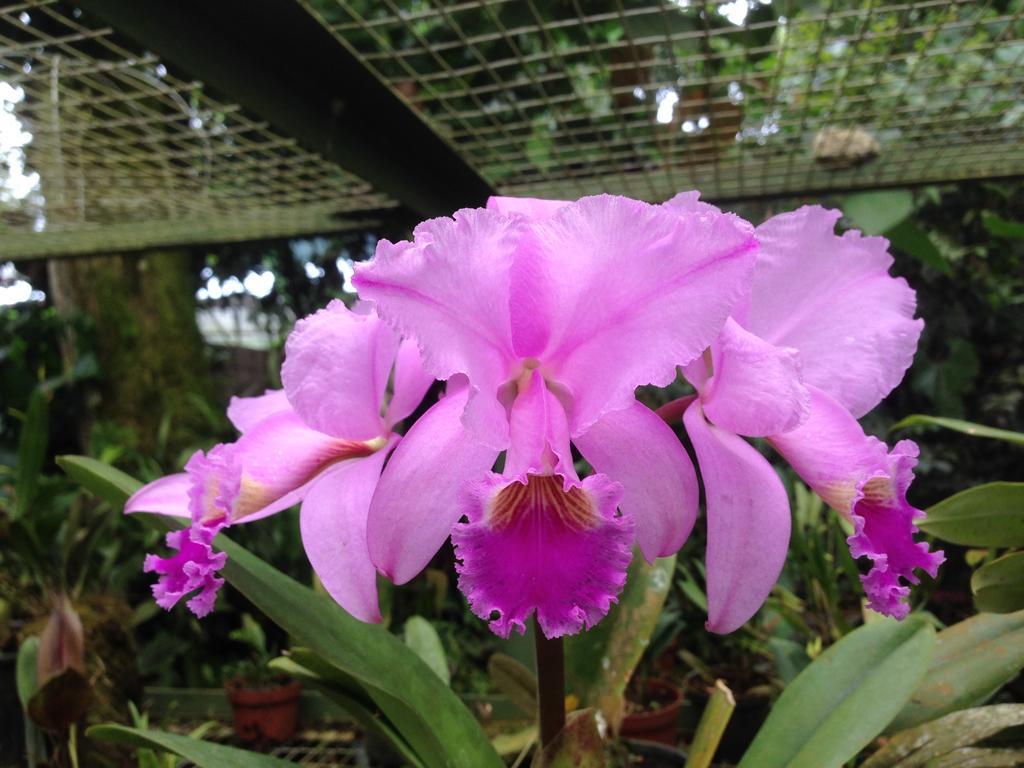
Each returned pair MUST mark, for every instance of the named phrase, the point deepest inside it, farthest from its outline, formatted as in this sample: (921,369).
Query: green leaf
(426,712)
(873,213)
(999,586)
(958,425)
(202,753)
(25,671)
(424,641)
(35,432)
(926,744)
(989,515)
(352,699)
(972,660)
(577,745)
(910,239)
(844,699)
(600,661)
(1000,227)
(102,480)
(514,680)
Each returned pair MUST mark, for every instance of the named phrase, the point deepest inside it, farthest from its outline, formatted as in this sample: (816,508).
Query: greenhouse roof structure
(131,124)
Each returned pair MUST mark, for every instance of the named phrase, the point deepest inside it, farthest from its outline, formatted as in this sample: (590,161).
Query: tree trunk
(151,356)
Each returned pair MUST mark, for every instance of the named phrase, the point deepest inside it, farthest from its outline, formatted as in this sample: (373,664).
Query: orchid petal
(632,288)
(333,526)
(166,496)
(636,448)
(193,570)
(336,370)
(449,290)
(748,522)
(864,481)
(756,389)
(832,298)
(246,412)
(537,546)
(534,208)
(539,434)
(265,471)
(411,382)
(417,500)
(690,202)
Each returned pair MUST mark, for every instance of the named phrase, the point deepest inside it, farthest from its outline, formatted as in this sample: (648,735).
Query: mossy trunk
(154,375)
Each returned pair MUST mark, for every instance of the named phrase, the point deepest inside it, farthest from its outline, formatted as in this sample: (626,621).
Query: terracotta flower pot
(264,715)
(659,725)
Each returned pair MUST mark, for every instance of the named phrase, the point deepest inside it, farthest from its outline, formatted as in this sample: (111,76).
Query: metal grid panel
(128,155)
(740,99)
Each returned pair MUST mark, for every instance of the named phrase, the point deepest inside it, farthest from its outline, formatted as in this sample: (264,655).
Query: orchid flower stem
(550,685)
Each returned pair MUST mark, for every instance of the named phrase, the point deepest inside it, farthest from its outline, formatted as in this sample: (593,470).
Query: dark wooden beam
(281,65)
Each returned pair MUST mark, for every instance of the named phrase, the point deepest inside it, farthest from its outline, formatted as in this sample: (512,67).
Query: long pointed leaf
(401,684)
(433,719)
(102,480)
(844,699)
(355,706)
(31,452)
(920,746)
(959,425)
(972,660)
(203,753)
(990,515)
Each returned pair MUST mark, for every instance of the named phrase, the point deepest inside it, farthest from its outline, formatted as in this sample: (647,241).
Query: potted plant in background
(652,710)
(265,703)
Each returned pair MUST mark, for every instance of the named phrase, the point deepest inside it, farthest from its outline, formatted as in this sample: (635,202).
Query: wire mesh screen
(102,148)
(741,99)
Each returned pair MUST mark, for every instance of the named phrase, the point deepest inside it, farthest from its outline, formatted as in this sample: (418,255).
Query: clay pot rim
(238,694)
(668,711)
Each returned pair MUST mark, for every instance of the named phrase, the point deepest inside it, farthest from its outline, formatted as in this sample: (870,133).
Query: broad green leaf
(31,452)
(989,515)
(926,744)
(102,480)
(999,586)
(356,702)
(424,641)
(426,712)
(958,425)
(914,241)
(514,680)
(972,660)
(600,661)
(873,213)
(845,698)
(577,745)
(202,753)
(1000,227)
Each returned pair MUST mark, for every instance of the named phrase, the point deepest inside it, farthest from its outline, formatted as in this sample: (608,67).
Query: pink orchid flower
(321,441)
(546,317)
(823,336)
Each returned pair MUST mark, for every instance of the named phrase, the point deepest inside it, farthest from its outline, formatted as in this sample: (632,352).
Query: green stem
(73,745)
(550,685)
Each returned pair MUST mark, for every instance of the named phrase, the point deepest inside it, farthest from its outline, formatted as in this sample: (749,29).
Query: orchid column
(544,318)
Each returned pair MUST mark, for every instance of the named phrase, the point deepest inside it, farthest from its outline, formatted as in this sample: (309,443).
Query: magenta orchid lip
(543,317)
